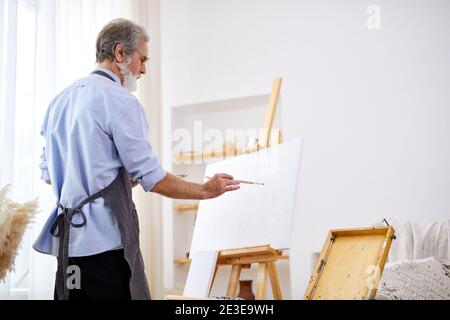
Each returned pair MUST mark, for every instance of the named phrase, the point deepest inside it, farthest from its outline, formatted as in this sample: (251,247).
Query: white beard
(129,79)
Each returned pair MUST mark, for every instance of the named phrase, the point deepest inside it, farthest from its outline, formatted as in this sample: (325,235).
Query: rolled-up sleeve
(129,131)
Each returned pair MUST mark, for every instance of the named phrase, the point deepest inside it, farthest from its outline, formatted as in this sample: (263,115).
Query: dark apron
(118,199)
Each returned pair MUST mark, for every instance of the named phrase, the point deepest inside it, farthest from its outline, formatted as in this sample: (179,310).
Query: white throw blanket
(418,240)
(424,279)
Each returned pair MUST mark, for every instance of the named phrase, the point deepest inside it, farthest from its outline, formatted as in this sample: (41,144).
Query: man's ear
(119,53)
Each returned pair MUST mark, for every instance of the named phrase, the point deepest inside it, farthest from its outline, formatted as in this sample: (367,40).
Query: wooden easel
(265,256)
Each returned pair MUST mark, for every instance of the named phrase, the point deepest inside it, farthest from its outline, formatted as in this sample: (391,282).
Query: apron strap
(61,229)
(104,74)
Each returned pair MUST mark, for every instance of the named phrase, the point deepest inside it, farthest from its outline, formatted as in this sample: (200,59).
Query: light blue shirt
(92,129)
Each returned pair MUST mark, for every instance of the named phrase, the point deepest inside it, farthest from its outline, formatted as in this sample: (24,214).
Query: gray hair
(118,31)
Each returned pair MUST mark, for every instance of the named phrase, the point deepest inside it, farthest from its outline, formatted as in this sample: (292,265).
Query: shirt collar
(112,74)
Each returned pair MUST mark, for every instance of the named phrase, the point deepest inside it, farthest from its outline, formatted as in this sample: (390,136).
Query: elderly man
(96,150)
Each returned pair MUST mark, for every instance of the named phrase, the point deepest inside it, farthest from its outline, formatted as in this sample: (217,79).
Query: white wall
(373,106)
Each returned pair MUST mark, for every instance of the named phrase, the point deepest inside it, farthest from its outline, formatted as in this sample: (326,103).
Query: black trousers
(104,276)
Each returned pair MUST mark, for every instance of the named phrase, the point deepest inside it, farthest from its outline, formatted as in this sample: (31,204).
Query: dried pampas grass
(14,218)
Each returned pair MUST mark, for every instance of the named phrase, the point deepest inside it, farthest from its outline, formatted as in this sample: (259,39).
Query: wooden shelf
(185,207)
(226,153)
(182,261)
(220,154)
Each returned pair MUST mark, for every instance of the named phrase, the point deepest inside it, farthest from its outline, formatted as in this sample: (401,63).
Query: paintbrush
(245,182)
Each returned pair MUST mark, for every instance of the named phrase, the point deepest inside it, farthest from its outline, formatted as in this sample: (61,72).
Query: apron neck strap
(104,74)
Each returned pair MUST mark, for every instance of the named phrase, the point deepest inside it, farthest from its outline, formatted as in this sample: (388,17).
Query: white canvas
(253,215)
(201,271)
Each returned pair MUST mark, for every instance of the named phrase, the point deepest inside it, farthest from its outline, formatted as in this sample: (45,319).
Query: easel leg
(261,286)
(234,280)
(277,295)
(213,278)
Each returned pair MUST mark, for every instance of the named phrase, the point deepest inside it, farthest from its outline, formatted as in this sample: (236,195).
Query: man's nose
(143,69)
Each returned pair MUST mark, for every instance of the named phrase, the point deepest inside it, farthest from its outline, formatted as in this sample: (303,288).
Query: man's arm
(174,187)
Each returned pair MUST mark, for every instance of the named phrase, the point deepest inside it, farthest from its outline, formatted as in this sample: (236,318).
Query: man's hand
(174,187)
(219,184)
